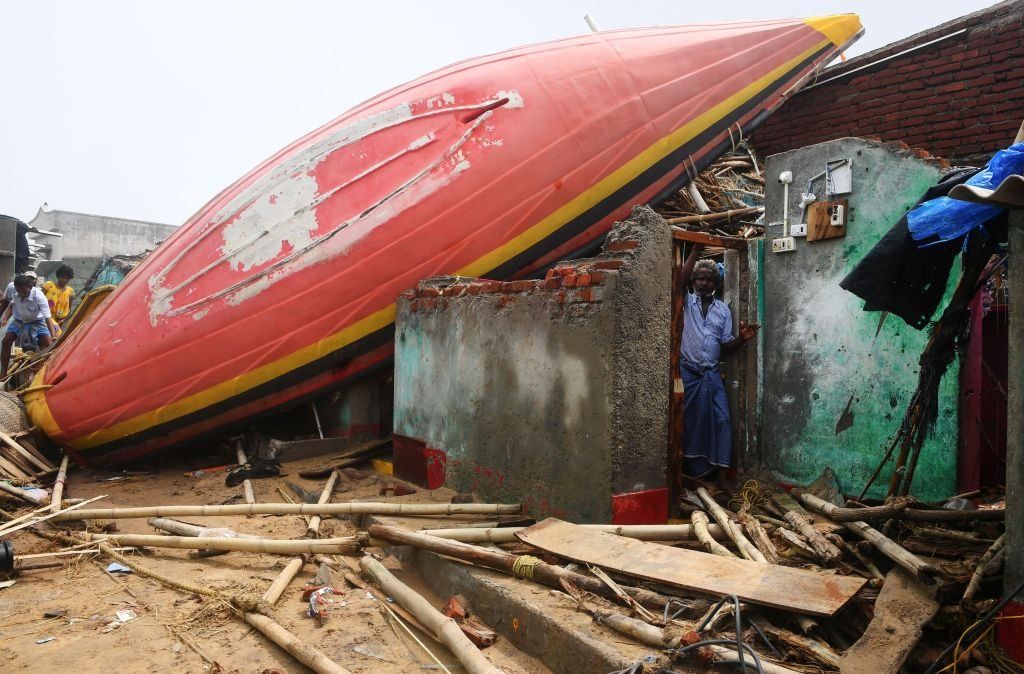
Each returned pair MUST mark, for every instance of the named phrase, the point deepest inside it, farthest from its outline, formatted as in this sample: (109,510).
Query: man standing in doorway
(707,334)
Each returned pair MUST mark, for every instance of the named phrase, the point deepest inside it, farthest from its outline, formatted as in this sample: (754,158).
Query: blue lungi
(707,429)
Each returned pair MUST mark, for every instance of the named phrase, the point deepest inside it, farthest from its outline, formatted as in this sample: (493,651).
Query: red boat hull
(283,286)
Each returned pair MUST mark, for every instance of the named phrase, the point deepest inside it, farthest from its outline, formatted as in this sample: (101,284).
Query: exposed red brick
(609,264)
(552,282)
(597,277)
(621,246)
(429,291)
(945,93)
(586,294)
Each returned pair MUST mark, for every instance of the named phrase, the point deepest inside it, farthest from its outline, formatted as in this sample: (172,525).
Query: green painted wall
(834,393)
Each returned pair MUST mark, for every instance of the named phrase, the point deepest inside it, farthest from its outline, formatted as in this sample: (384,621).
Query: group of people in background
(36,312)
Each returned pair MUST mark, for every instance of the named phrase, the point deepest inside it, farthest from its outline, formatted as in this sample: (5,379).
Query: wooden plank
(18,460)
(818,218)
(776,586)
(30,446)
(733,242)
(11,469)
(32,460)
(903,608)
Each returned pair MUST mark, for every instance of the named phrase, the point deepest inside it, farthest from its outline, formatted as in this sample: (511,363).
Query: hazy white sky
(146,110)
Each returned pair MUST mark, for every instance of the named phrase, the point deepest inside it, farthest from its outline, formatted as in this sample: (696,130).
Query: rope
(750,496)
(524,565)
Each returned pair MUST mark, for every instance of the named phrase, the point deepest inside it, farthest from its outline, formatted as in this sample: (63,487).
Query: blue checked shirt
(703,337)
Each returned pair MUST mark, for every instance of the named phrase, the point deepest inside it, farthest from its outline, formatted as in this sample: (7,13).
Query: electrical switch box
(783,244)
(837,215)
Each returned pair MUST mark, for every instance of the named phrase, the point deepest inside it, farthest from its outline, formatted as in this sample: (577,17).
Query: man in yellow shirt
(59,294)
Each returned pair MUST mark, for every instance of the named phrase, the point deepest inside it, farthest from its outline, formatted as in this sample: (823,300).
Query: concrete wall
(95,236)
(552,392)
(833,394)
(1009,632)
(8,247)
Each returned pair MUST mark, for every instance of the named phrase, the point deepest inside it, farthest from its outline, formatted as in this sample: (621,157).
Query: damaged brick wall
(959,97)
(552,392)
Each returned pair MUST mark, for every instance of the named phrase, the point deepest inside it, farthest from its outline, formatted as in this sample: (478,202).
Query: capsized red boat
(284,285)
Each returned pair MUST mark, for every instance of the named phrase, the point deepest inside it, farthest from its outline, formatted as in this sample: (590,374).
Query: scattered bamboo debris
(641,532)
(888,547)
(701,530)
(726,199)
(445,629)
(988,564)
(352,508)
(331,546)
(733,529)
(247,489)
(917,543)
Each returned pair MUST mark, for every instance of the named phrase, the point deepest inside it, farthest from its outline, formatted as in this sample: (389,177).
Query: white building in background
(85,240)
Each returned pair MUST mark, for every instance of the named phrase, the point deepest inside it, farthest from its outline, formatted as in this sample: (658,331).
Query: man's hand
(748,331)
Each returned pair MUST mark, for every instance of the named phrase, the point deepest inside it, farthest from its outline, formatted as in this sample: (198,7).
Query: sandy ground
(357,635)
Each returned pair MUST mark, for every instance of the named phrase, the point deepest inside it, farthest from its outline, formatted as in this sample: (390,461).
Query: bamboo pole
(444,628)
(351,576)
(925,572)
(313,529)
(58,484)
(700,529)
(714,216)
(992,557)
(286,576)
(499,560)
(298,649)
(289,499)
(656,637)
(808,646)
(745,547)
(27,516)
(878,578)
(54,515)
(185,529)
(289,572)
(247,489)
(641,532)
(758,536)
(821,546)
(351,508)
(257,545)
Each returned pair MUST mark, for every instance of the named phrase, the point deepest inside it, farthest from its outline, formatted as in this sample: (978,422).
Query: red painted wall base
(640,507)
(417,463)
(1010,633)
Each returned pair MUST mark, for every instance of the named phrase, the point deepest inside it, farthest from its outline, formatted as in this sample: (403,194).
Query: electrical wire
(737,642)
(982,622)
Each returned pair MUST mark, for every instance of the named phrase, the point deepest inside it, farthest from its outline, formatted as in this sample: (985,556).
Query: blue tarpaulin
(945,219)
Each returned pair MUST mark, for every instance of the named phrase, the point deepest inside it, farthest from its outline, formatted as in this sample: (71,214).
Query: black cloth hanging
(900,277)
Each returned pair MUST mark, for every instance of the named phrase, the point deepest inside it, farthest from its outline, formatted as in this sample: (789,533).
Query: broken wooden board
(767,584)
(819,217)
(903,608)
(350,456)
